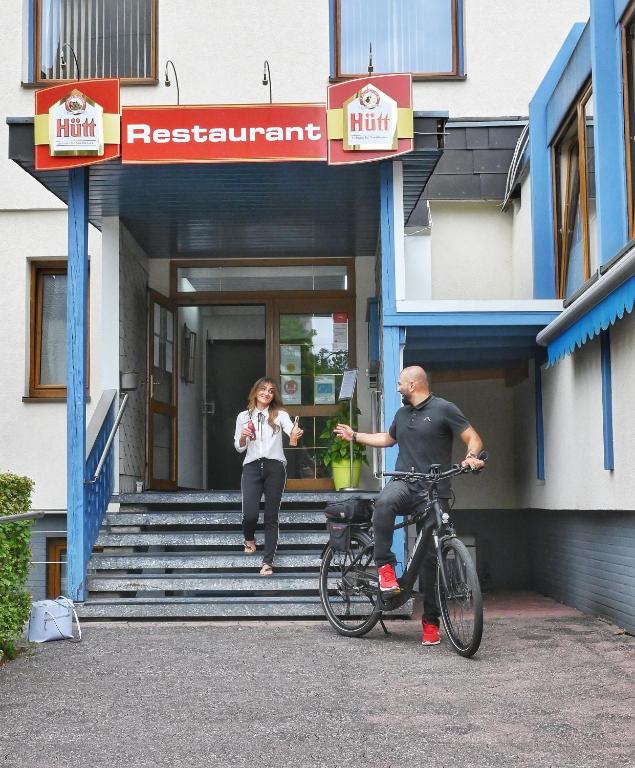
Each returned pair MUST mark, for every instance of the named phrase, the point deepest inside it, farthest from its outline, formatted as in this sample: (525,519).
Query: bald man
(424,428)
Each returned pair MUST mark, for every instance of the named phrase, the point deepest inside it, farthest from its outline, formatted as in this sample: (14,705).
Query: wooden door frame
(172,410)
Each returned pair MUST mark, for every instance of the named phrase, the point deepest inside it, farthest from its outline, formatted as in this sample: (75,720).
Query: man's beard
(405,400)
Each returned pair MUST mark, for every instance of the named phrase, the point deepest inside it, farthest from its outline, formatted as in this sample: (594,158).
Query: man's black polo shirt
(425,434)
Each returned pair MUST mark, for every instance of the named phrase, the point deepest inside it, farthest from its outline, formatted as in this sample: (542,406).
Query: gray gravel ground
(541,692)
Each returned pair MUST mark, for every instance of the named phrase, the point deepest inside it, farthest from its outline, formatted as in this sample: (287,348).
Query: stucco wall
(471,251)
(572,407)
(489,406)
(509,46)
(522,257)
(34,433)
(133,267)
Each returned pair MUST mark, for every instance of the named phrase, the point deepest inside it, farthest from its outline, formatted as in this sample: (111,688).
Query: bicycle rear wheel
(349,587)
(462,603)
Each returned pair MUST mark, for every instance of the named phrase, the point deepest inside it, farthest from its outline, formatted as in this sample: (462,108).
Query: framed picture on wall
(188,355)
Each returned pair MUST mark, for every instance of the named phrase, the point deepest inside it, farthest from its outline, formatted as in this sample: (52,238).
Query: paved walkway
(549,687)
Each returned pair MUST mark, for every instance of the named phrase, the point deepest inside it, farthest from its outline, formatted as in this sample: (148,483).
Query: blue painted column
(607,399)
(540,429)
(393,337)
(608,112)
(540,169)
(76,367)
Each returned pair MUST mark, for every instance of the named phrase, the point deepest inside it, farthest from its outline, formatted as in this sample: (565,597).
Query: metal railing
(376,404)
(21,516)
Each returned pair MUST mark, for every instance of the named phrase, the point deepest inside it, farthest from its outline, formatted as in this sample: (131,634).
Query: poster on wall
(291,390)
(325,390)
(340,332)
(290,358)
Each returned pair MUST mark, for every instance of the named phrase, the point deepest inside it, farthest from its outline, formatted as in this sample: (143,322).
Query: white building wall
(34,433)
(522,256)
(471,251)
(575,477)
(509,45)
(489,406)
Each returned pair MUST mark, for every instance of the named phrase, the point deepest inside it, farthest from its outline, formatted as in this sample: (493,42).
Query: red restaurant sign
(226,133)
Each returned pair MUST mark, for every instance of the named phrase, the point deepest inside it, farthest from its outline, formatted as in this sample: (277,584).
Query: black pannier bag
(353,510)
(340,536)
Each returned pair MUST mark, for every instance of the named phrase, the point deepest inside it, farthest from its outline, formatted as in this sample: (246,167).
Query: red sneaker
(430,635)
(388,579)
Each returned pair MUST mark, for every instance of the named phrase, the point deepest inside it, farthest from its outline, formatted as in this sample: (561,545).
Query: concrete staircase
(179,556)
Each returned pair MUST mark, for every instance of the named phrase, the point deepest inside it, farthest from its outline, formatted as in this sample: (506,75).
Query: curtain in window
(111,38)
(406,35)
(53,336)
(573,245)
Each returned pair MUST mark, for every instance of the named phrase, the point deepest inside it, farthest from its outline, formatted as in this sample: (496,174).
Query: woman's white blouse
(267,445)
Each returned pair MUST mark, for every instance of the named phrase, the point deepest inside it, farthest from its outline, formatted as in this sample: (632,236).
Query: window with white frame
(418,36)
(95,38)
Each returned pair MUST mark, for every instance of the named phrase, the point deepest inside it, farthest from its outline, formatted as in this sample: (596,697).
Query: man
(424,428)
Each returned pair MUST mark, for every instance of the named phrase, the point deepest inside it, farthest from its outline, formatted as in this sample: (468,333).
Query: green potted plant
(337,454)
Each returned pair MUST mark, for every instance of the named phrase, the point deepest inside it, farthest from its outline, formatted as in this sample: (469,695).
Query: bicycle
(349,583)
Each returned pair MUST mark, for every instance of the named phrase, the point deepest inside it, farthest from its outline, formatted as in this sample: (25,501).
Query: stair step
(209,560)
(208,517)
(187,582)
(173,498)
(204,539)
(210,608)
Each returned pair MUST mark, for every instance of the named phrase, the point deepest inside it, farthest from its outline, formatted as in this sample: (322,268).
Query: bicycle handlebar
(435,475)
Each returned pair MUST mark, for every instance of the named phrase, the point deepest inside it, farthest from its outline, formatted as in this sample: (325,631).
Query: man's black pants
(266,476)
(398,498)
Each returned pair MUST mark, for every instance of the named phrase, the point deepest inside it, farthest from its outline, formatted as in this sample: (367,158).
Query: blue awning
(605,302)
(611,309)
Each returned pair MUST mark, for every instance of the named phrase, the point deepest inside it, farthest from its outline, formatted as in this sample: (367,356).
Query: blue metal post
(607,399)
(540,429)
(393,337)
(76,365)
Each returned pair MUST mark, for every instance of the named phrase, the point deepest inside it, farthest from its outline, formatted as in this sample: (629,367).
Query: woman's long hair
(274,405)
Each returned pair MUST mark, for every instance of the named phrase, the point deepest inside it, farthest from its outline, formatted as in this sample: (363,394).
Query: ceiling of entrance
(233,211)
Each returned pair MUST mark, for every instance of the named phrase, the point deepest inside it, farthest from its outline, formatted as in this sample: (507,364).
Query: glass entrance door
(315,345)
(162,406)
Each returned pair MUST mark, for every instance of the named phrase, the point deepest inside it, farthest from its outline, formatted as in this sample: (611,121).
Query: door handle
(208,407)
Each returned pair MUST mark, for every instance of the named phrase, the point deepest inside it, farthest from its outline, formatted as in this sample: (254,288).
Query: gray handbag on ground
(53,620)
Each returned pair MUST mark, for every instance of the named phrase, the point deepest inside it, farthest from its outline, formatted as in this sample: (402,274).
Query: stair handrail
(21,516)
(107,401)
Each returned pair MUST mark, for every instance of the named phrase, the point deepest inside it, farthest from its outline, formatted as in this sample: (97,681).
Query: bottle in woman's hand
(252,429)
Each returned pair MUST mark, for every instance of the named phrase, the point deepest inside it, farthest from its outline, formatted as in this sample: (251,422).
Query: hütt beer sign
(76,124)
(370,119)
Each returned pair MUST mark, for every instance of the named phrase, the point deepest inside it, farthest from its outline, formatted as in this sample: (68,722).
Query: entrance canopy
(307,209)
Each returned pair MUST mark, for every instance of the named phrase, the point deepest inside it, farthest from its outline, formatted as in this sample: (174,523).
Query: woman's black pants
(266,476)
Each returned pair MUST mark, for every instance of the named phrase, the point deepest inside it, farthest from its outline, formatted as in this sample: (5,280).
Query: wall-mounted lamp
(176,79)
(63,62)
(266,78)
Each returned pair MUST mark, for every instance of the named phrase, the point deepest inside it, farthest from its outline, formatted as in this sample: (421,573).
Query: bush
(15,556)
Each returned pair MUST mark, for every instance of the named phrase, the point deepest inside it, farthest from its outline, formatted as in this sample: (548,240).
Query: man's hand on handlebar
(475,463)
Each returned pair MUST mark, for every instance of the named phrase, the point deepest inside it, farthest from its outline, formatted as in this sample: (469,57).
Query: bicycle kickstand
(383,626)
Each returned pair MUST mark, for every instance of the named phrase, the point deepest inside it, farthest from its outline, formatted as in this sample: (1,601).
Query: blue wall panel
(540,164)
(575,74)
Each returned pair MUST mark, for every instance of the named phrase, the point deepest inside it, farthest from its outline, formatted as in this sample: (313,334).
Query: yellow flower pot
(342,473)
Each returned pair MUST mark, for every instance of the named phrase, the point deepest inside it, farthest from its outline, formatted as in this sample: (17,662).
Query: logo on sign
(76,126)
(370,120)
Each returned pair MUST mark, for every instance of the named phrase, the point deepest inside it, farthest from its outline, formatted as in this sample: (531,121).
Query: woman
(259,435)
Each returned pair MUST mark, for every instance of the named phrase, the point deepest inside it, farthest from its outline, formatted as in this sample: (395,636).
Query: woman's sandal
(266,570)
(250,546)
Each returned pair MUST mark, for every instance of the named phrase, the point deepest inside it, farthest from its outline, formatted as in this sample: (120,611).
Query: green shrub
(15,556)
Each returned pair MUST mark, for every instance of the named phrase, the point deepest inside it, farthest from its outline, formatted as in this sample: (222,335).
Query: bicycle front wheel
(461,602)
(349,587)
